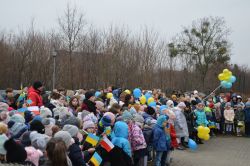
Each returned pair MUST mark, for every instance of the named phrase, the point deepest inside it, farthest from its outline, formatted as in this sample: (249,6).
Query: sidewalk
(218,151)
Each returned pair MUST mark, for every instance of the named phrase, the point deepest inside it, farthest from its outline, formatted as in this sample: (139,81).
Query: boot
(183,143)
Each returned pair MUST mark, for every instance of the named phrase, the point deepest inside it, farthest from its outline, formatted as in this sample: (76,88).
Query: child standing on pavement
(239,119)
(161,140)
(229,118)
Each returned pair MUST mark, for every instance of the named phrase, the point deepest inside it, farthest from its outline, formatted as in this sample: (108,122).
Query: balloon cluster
(227,79)
(203,133)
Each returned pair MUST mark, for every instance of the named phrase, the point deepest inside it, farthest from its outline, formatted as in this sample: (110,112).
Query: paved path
(218,151)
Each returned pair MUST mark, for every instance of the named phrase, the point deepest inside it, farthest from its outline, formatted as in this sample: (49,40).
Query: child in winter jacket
(148,135)
(180,125)
(201,119)
(200,115)
(239,119)
(161,140)
(120,137)
(229,118)
(137,140)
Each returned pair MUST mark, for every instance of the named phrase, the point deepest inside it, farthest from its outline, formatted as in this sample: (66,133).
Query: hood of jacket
(121,129)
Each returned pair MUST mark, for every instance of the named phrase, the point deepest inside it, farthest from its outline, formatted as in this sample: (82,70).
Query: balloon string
(212,92)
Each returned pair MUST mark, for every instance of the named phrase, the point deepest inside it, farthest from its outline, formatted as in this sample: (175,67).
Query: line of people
(140,132)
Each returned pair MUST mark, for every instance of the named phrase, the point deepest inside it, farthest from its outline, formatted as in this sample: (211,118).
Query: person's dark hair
(55,95)
(37,84)
(115,107)
(57,152)
(70,102)
(8,90)
(127,99)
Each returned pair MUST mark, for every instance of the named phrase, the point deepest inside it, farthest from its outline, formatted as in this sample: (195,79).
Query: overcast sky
(165,16)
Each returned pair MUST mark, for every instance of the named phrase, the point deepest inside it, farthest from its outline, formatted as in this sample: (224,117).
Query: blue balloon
(228,85)
(137,93)
(192,144)
(224,84)
(152,104)
(148,95)
(97,94)
(232,79)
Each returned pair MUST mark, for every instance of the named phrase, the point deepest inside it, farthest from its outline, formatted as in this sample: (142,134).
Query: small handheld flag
(96,159)
(34,109)
(92,139)
(107,131)
(107,144)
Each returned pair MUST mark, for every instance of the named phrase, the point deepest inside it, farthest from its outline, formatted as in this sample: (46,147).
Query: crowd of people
(69,127)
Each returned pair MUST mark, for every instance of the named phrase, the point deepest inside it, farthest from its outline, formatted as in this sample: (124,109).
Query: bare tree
(71,25)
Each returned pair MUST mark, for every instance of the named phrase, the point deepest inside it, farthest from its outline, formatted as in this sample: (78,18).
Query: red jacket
(35,97)
(174,143)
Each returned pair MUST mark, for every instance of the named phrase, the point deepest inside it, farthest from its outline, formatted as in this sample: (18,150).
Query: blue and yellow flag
(92,139)
(96,159)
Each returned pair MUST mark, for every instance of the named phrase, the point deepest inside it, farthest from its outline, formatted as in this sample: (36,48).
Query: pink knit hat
(99,105)
(33,155)
(88,124)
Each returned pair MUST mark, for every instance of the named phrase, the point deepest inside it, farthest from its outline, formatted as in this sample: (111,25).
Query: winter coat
(148,135)
(229,115)
(146,116)
(89,106)
(218,114)
(239,115)
(247,115)
(117,156)
(159,138)
(180,123)
(75,155)
(120,137)
(136,137)
(190,120)
(174,143)
(201,119)
(35,96)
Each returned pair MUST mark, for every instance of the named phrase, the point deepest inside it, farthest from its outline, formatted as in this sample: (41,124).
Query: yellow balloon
(230,73)
(150,100)
(199,129)
(225,71)
(143,99)
(227,77)
(206,130)
(109,95)
(221,76)
(206,137)
(127,91)
(200,135)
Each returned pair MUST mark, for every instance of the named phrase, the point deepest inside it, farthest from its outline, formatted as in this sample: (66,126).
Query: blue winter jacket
(201,118)
(247,115)
(120,137)
(160,142)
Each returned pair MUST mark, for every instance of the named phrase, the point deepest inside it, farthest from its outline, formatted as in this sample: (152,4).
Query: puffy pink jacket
(136,137)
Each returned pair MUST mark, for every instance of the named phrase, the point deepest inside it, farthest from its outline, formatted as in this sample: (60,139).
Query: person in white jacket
(229,118)
(180,125)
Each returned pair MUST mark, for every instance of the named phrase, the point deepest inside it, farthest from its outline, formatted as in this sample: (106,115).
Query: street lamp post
(54,53)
